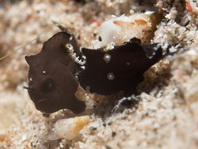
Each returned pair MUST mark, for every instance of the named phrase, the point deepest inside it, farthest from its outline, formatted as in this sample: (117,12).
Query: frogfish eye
(48,85)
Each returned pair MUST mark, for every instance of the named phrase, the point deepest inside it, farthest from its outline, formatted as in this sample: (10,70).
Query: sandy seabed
(164,114)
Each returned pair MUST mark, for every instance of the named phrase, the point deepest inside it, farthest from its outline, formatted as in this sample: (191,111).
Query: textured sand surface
(164,115)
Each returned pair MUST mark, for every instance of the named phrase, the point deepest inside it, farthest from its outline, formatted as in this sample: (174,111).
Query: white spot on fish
(110,76)
(128,64)
(87,88)
(76,76)
(70,38)
(82,67)
(107,58)
(44,72)
(30,79)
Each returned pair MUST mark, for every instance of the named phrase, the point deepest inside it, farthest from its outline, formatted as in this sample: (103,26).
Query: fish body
(56,72)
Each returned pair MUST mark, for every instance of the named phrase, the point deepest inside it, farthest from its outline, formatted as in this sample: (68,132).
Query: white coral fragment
(68,128)
(121,29)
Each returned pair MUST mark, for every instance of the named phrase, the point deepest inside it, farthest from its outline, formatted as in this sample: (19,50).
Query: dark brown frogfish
(56,72)
(52,82)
